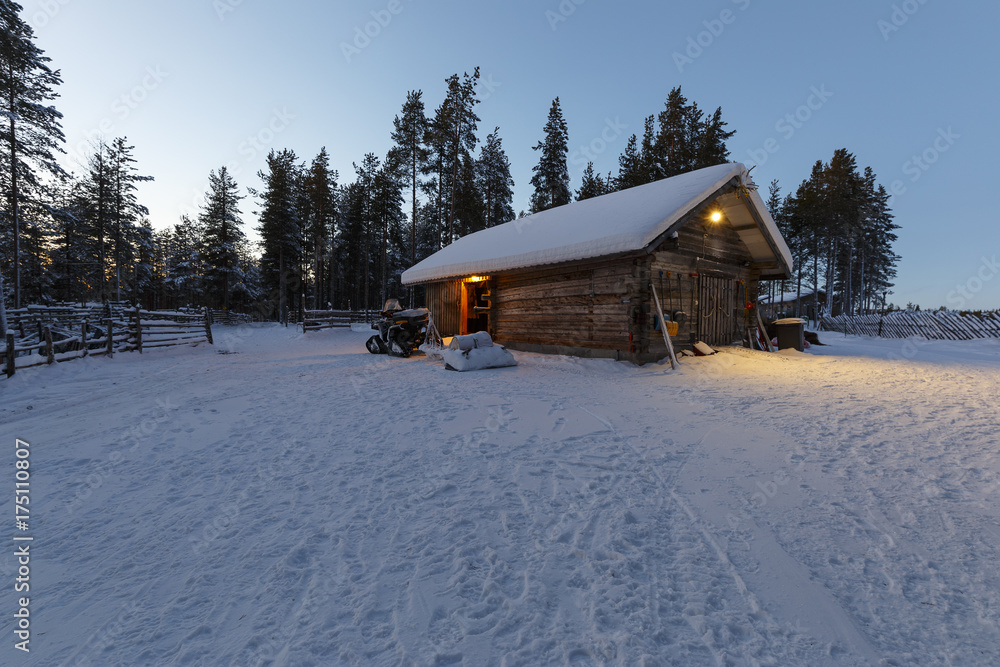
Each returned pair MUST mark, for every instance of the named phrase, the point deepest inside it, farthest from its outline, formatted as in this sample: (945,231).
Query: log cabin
(579,279)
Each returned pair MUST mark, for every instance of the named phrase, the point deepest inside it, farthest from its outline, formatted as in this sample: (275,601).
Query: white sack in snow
(472,341)
(495,356)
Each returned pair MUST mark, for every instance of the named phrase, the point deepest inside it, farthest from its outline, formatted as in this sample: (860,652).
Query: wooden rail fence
(138,330)
(932,325)
(317,320)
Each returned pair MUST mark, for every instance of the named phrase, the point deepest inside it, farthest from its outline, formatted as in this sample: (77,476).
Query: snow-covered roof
(790,297)
(624,221)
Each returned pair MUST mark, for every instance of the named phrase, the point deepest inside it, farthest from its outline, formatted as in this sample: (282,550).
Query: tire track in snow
(883,570)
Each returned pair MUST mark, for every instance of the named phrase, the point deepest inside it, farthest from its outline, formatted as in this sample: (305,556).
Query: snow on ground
(298,501)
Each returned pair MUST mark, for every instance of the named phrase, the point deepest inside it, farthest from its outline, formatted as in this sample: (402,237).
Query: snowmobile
(400,331)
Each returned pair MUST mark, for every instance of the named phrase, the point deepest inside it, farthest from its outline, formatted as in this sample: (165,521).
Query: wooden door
(716,313)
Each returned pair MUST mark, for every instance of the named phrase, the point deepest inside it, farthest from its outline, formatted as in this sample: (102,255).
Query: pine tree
(367,173)
(126,210)
(470,214)
(453,138)
(96,191)
(409,133)
(183,263)
(387,214)
(551,179)
(648,169)
(711,141)
(673,153)
(631,170)
(320,216)
(221,237)
(70,263)
(281,228)
(494,181)
(351,251)
(840,228)
(142,286)
(592,185)
(34,133)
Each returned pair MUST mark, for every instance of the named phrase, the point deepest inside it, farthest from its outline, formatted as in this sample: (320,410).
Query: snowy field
(298,501)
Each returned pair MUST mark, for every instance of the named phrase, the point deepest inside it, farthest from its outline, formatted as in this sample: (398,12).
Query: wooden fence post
(111,335)
(208,327)
(83,339)
(50,356)
(138,330)
(10,353)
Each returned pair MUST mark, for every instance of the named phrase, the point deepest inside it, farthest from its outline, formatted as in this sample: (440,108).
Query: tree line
(332,244)
(840,229)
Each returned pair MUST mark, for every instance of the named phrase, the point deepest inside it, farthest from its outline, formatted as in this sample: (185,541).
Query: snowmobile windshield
(391,305)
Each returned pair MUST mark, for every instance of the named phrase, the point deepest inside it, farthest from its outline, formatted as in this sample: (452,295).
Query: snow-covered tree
(222,235)
(126,211)
(33,135)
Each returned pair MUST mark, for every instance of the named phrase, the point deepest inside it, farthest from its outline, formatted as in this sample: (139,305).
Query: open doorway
(475,305)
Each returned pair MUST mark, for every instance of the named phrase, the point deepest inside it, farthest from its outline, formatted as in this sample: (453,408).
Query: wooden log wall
(579,305)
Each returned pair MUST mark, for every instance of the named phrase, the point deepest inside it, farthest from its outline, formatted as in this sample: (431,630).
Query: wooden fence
(139,330)
(228,317)
(317,320)
(932,325)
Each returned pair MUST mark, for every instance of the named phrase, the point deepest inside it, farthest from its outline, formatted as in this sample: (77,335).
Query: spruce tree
(551,174)
(125,208)
(495,185)
(222,235)
(710,145)
(97,193)
(453,138)
(631,170)
(673,153)
(183,263)
(34,134)
(470,214)
(592,185)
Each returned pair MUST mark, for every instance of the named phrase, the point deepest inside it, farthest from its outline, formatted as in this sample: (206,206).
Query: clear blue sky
(195,84)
